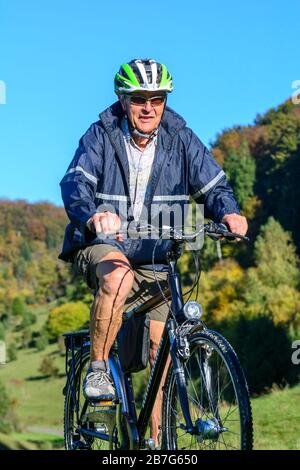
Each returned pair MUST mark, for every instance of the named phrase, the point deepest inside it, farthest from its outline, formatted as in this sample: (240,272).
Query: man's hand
(107,223)
(236,223)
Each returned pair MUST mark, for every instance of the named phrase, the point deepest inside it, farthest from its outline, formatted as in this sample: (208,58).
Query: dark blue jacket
(99,174)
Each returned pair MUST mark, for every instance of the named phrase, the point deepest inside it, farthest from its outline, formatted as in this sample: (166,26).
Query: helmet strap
(135,132)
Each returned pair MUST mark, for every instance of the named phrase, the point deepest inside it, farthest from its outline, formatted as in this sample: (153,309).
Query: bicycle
(206,401)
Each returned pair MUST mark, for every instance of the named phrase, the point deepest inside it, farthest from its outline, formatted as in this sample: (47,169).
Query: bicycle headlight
(192,310)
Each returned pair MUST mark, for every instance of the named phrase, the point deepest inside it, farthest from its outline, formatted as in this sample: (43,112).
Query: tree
(239,166)
(26,251)
(264,350)
(271,288)
(69,316)
(275,256)
(41,343)
(221,290)
(18,307)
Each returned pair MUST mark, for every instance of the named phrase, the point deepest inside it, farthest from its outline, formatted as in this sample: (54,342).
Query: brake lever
(230,236)
(216,231)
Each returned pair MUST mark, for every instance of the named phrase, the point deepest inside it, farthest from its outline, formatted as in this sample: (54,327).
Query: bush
(41,343)
(29,318)
(12,352)
(5,405)
(18,307)
(48,367)
(26,338)
(70,316)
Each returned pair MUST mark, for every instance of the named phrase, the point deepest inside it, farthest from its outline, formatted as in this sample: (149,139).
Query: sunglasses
(141,100)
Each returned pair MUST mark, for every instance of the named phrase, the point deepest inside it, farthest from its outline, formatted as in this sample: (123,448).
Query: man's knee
(117,284)
(115,275)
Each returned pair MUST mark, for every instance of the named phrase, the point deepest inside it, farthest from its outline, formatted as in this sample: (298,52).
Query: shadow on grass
(44,377)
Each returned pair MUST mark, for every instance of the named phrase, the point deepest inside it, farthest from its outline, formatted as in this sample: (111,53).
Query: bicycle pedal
(110,403)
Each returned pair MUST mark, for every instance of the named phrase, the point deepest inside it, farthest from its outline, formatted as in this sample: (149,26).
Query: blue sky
(229,59)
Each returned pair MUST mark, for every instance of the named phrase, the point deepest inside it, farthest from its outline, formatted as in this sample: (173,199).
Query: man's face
(143,116)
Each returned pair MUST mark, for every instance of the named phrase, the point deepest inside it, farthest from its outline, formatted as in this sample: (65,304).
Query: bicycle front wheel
(218,399)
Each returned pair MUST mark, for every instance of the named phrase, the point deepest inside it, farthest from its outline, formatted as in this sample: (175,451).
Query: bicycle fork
(180,351)
(178,370)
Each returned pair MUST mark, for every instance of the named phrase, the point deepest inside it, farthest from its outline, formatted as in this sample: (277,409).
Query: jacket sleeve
(208,182)
(79,185)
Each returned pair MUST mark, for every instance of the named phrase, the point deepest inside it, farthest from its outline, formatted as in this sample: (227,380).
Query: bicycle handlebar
(212,229)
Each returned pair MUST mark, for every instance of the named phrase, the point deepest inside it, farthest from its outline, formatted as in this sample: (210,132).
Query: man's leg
(115,282)
(156,329)
(111,271)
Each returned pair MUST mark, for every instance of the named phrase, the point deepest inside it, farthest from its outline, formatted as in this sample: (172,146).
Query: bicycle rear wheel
(86,427)
(218,399)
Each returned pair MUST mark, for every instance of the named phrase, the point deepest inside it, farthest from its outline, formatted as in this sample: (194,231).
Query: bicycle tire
(78,440)
(209,412)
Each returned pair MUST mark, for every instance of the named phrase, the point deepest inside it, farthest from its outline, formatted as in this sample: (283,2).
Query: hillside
(30,240)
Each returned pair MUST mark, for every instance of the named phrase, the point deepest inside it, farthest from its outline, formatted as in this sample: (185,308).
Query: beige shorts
(144,285)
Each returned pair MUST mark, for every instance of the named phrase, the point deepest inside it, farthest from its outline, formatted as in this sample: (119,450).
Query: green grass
(10,443)
(39,401)
(42,440)
(277,420)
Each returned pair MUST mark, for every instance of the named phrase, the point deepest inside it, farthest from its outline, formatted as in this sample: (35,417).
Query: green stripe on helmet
(122,81)
(165,82)
(132,77)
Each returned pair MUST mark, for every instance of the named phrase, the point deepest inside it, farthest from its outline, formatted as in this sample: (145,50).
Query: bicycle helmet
(143,75)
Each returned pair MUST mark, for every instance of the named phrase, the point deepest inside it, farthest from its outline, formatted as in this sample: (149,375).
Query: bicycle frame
(167,344)
(137,426)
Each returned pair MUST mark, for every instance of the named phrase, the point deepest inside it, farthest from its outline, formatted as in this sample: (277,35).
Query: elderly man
(139,153)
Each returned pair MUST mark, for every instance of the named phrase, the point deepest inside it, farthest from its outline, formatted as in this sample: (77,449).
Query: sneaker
(98,385)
